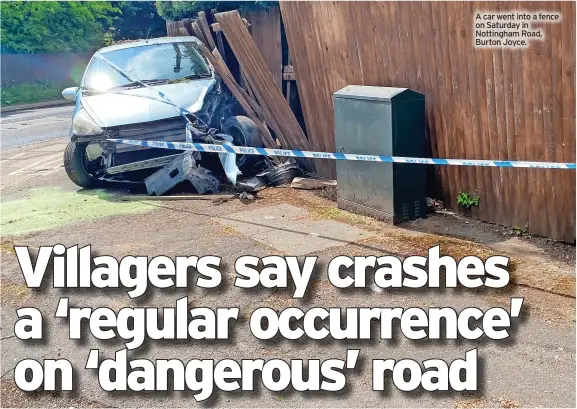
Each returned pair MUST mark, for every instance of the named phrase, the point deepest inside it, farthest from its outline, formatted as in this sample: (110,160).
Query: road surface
(34,125)
(41,207)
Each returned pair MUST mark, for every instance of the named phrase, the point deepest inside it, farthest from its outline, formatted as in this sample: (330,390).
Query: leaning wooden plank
(198,32)
(203,23)
(249,98)
(216,27)
(261,81)
(248,90)
(223,71)
(186,23)
(171,28)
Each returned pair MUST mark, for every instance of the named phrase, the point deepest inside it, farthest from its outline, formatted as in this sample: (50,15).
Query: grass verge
(30,93)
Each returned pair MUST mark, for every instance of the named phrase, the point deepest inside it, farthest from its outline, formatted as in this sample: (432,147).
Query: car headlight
(84,125)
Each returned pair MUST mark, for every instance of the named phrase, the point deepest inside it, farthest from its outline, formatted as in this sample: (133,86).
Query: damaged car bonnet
(157,105)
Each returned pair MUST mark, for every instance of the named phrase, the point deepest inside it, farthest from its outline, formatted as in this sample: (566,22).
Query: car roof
(149,41)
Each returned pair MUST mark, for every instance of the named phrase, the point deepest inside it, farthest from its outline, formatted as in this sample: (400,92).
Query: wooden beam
(216,27)
(203,23)
(247,85)
(198,32)
(223,71)
(270,97)
(186,23)
(249,99)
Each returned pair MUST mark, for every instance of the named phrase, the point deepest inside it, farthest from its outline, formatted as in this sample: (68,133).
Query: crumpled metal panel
(228,161)
(181,169)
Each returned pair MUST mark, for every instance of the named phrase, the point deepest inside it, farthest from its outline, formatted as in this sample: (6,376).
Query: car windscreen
(155,63)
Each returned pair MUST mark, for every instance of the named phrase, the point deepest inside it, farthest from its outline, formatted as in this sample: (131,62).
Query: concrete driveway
(40,206)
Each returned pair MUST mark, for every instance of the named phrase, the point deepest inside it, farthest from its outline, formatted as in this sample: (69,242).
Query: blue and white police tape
(243,150)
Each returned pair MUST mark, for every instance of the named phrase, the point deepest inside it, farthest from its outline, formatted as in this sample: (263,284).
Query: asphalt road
(21,128)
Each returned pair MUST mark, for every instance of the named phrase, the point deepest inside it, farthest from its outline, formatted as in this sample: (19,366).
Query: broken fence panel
(245,150)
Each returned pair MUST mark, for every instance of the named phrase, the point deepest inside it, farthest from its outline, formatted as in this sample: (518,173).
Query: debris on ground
(327,192)
(434,205)
(253,184)
(182,168)
(311,184)
(246,196)
(282,174)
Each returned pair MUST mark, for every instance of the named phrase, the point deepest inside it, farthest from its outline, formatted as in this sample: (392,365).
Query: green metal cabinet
(381,121)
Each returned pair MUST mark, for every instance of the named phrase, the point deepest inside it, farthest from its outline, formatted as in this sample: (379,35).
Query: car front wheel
(76,165)
(244,132)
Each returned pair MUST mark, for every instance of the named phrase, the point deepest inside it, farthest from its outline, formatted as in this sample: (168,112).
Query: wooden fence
(265,28)
(176,28)
(481,103)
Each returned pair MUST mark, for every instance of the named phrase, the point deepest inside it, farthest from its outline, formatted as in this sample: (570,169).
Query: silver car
(110,105)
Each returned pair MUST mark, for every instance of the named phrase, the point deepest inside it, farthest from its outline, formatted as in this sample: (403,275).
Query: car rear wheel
(244,132)
(76,165)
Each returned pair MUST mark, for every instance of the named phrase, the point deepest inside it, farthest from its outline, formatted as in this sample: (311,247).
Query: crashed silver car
(110,103)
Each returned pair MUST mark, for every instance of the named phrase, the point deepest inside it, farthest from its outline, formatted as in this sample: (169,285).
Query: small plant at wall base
(517,231)
(466,200)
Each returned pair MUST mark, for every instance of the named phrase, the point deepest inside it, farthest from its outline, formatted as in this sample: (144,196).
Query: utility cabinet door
(364,127)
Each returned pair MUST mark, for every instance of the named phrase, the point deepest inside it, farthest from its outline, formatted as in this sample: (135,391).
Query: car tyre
(75,162)
(244,132)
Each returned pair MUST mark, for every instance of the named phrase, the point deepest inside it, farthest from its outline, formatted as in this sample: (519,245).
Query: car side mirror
(70,93)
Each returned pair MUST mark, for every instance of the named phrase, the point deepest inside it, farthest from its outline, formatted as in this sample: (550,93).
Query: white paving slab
(287,229)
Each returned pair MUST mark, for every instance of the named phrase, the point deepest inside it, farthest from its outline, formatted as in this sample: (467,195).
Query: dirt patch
(488,233)
(228,231)
(7,246)
(523,271)
(556,249)
(13,294)
(222,230)
(549,281)
(334,213)
(409,244)
(285,194)
(327,192)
